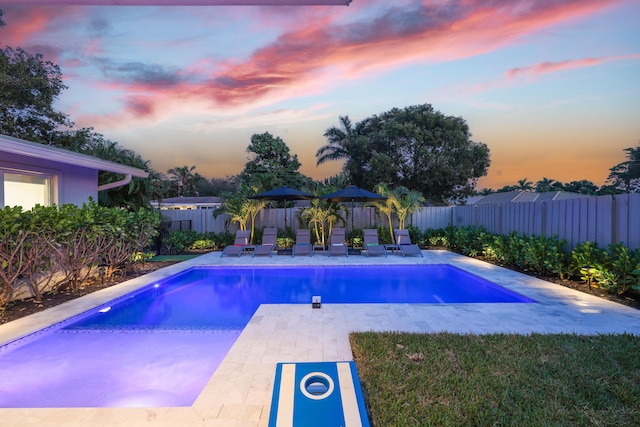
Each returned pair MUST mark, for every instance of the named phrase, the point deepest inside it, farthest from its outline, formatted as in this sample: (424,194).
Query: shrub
(546,255)
(47,247)
(384,235)
(585,259)
(616,272)
(178,241)
(356,237)
(435,237)
(416,235)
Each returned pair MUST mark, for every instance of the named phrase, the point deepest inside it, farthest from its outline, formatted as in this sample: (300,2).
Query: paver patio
(239,393)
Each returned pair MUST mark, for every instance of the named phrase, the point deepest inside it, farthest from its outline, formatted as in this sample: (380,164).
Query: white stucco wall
(71,183)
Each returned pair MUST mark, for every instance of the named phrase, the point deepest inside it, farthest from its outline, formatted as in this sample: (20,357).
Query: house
(187,203)
(32,173)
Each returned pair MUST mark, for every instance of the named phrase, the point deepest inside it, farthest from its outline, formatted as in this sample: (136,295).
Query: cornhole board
(317,394)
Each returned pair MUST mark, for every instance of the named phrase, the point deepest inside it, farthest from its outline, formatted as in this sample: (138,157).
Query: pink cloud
(552,67)
(395,36)
(320,48)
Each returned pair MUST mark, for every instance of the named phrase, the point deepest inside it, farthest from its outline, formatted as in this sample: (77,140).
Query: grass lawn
(499,380)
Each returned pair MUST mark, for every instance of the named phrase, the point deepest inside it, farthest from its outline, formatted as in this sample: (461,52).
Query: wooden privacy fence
(601,219)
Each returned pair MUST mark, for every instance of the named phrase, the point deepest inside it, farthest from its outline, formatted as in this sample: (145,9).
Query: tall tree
(348,142)
(626,175)
(185,180)
(525,185)
(547,184)
(271,164)
(29,86)
(418,148)
(339,141)
(583,187)
(139,192)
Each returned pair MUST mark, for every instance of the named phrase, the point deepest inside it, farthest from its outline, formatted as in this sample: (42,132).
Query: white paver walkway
(239,393)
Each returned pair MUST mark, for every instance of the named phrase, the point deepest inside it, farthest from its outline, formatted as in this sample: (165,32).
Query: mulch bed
(19,309)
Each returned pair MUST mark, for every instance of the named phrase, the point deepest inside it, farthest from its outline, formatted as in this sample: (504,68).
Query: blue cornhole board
(317,394)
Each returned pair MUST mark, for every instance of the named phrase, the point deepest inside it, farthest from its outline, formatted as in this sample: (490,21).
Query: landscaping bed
(18,309)
(22,308)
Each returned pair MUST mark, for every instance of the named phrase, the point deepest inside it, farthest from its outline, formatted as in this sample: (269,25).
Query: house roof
(190,200)
(525,196)
(21,147)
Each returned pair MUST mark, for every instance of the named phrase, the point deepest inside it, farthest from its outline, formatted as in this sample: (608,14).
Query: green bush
(546,255)
(469,240)
(585,259)
(507,250)
(178,241)
(435,238)
(384,235)
(416,235)
(224,238)
(47,247)
(618,271)
(356,238)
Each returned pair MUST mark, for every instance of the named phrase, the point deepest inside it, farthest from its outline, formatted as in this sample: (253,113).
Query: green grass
(499,380)
(178,258)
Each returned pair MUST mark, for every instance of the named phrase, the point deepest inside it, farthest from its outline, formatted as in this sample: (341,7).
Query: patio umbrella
(352,194)
(283,194)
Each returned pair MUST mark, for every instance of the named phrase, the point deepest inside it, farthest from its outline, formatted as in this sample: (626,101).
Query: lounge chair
(269,241)
(303,243)
(239,245)
(403,241)
(371,244)
(336,243)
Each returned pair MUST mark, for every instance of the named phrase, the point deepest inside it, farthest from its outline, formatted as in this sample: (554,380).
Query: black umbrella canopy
(352,194)
(283,193)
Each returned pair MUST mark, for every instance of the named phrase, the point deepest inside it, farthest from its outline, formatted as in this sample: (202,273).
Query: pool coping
(239,392)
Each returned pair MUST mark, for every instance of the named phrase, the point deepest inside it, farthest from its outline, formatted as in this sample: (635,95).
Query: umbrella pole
(351,222)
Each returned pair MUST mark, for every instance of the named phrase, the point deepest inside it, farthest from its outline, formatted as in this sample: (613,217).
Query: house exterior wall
(70,183)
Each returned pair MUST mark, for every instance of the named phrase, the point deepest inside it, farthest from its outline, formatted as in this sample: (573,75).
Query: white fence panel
(602,219)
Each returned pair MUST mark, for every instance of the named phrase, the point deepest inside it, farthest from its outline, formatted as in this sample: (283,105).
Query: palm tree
(406,202)
(332,215)
(323,215)
(236,209)
(315,215)
(339,141)
(252,207)
(525,185)
(185,178)
(544,185)
(387,206)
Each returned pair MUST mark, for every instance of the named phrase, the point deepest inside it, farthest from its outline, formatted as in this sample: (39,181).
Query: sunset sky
(552,87)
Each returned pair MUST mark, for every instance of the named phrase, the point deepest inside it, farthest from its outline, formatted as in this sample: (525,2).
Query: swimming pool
(159,346)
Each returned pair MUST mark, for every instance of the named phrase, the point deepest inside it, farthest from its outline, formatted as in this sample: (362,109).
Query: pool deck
(239,393)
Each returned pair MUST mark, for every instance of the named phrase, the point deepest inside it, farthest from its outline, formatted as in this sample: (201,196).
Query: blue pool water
(159,346)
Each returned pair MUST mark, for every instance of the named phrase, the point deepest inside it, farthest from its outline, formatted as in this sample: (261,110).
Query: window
(26,190)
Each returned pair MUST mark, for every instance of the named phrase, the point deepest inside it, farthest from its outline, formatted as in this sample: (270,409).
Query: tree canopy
(415,147)
(626,175)
(138,193)
(29,86)
(271,164)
